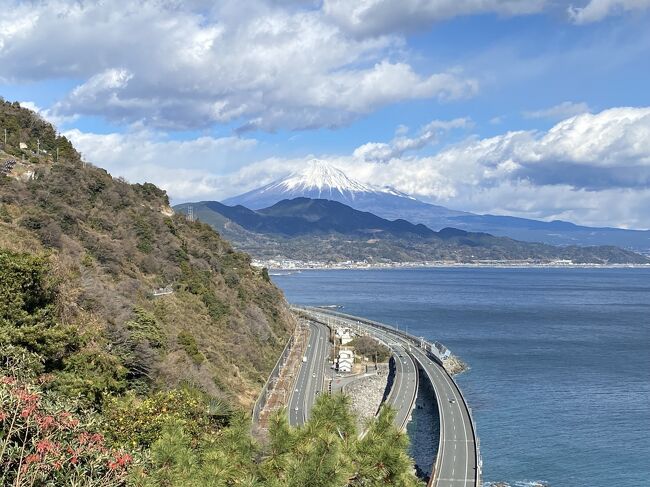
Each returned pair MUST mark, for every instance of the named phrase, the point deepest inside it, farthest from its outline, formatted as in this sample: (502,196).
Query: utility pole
(38,147)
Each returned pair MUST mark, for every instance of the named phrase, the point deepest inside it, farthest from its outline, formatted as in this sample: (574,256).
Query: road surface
(311,375)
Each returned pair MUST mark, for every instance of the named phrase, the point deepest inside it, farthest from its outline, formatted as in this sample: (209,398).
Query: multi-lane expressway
(457,462)
(405,383)
(405,380)
(311,375)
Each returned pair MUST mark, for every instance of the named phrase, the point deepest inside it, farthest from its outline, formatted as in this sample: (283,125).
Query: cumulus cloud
(176,65)
(596,10)
(372,17)
(187,169)
(384,152)
(563,110)
(610,149)
(590,168)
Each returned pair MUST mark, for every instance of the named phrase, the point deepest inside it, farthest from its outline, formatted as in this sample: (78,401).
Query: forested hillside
(107,245)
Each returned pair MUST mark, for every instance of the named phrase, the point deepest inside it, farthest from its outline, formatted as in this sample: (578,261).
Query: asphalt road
(456,460)
(311,375)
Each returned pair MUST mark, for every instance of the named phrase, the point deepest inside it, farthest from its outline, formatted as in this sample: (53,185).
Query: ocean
(560,359)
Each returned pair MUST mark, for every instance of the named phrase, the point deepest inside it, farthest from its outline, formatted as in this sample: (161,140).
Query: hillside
(303,216)
(110,244)
(328,231)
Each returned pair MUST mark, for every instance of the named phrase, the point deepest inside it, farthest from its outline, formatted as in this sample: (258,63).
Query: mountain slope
(328,231)
(320,180)
(302,216)
(109,245)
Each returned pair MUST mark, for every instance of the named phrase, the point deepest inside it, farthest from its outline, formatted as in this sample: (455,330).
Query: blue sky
(535,108)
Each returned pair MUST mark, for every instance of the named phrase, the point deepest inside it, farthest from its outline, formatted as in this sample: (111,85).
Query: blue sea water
(560,359)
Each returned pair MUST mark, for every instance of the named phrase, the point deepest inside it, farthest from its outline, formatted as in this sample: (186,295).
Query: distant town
(297,265)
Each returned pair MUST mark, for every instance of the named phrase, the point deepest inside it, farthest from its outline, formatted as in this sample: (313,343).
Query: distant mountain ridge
(302,216)
(321,180)
(328,231)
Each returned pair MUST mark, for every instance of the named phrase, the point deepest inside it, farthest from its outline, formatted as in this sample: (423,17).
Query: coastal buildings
(345,360)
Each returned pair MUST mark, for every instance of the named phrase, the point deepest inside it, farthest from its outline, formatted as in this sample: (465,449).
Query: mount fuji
(320,180)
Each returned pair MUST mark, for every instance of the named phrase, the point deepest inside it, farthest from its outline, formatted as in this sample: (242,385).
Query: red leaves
(47,422)
(45,445)
(32,458)
(120,461)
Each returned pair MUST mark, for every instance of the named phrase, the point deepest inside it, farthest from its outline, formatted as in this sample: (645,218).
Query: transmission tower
(190,213)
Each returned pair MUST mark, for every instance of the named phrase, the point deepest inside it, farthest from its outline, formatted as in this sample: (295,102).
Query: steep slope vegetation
(108,245)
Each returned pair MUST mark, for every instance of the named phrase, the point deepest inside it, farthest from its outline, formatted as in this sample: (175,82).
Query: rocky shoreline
(454,365)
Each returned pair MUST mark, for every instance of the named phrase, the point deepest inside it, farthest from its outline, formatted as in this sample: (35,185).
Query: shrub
(42,443)
(27,305)
(138,421)
(188,342)
(5,216)
(370,348)
(145,327)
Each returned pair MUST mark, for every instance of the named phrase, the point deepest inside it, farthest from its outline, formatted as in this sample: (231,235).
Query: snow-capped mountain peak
(321,177)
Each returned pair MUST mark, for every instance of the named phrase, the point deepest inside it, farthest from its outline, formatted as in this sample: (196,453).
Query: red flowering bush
(41,442)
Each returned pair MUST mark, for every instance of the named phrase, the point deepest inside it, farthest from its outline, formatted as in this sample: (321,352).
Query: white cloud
(176,65)
(429,134)
(563,110)
(372,17)
(596,10)
(187,169)
(47,114)
(591,168)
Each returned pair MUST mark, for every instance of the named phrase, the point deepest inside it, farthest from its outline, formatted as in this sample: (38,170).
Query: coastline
(288,265)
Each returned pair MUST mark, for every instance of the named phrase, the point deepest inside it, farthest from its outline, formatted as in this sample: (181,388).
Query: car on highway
(452,400)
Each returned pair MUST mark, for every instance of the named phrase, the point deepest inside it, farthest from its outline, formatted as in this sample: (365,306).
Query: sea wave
(518,483)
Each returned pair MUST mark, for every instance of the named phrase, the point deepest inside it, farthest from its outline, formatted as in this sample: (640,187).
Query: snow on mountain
(317,180)
(319,175)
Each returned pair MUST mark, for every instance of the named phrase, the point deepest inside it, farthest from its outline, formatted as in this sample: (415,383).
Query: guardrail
(275,373)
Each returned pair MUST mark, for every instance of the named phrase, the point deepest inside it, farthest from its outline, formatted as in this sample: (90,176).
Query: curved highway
(311,375)
(456,462)
(405,384)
